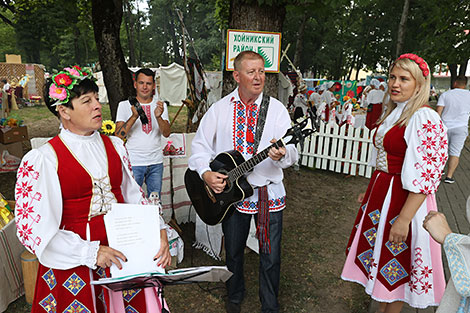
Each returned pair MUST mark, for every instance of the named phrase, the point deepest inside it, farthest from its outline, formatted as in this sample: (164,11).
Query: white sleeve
(426,153)
(373,156)
(282,125)
(297,100)
(165,112)
(457,249)
(202,147)
(131,191)
(364,102)
(38,215)
(124,111)
(441,100)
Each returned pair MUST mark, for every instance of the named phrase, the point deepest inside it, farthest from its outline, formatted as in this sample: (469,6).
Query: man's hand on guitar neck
(215,180)
(276,154)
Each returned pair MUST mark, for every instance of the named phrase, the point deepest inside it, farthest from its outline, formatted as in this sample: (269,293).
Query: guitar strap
(263,110)
(262,229)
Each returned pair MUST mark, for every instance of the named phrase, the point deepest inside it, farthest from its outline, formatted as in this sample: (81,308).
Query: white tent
(173,83)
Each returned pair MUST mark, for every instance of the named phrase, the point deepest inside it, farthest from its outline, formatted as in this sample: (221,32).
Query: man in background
(454,108)
(144,134)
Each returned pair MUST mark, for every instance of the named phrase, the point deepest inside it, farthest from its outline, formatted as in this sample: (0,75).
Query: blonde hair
(247,54)
(420,97)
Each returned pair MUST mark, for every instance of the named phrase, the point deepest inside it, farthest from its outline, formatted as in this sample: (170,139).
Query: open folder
(178,276)
(135,231)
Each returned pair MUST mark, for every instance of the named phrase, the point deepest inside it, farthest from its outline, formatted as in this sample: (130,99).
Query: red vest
(77,189)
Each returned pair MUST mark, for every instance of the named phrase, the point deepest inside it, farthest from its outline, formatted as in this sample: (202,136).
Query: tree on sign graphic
(267,60)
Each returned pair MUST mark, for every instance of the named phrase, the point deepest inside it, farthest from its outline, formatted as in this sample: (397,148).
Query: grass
(36,113)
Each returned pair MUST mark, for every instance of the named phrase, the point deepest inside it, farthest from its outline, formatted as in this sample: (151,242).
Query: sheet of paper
(134,230)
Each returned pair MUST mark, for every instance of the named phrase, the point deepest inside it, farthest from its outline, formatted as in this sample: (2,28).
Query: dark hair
(4,81)
(461,80)
(84,87)
(146,72)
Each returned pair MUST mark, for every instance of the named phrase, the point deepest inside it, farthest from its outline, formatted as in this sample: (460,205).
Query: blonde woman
(389,252)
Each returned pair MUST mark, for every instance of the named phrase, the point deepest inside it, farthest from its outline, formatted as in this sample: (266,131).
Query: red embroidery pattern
(244,123)
(147,128)
(26,195)
(432,153)
(373,265)
(421,275)
(252,206)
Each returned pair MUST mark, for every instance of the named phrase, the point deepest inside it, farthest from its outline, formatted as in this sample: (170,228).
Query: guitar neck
(248,165)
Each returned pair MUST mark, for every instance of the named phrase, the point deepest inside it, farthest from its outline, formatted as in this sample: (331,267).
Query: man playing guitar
(232,124)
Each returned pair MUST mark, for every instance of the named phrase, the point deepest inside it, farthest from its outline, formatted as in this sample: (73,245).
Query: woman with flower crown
(389,252)
(63,190)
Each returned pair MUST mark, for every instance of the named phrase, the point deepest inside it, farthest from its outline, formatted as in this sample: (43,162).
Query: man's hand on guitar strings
(276,153)
(215,180)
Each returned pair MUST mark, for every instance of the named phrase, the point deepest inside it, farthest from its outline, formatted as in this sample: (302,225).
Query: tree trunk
(138,39)
(463,67)
(106,17)
(401,27)
(129,23)
(300,39)
(76,47)
(174,40)
(453,74)
(352,66)
(248,15)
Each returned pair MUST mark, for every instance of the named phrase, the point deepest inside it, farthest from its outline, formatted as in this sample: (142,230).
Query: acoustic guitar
(213,207)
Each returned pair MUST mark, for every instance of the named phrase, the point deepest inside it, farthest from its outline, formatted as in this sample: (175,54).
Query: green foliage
(55,32)
(166,31)
(222,13)
(343,34)
(7,37)
(339,34)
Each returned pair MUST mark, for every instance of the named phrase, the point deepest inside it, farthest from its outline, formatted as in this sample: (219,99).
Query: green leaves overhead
(338,35)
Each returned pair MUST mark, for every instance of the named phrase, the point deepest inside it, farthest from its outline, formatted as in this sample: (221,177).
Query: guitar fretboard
(248,165)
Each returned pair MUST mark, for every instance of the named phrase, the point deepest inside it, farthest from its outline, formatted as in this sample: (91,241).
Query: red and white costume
(409,159)
(345,116)
(63,190)
(231,125)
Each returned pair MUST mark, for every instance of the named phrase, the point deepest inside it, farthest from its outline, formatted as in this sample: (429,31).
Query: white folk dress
(63,190)
(409,159)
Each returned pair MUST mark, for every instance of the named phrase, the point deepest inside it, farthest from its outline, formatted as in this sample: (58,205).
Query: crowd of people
(65,187)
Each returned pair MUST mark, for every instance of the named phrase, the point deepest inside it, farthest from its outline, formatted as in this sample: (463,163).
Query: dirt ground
(321,208)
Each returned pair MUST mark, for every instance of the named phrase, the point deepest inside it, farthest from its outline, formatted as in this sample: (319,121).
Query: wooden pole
(177,113)
(186,69)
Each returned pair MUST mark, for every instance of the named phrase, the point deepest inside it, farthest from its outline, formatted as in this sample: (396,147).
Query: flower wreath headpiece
(64,81)
(418,60)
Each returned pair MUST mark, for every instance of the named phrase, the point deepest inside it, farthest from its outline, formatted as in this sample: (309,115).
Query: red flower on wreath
(62,80)
(418,60)
(77,67)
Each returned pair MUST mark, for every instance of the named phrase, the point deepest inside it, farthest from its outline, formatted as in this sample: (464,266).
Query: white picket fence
(342,149)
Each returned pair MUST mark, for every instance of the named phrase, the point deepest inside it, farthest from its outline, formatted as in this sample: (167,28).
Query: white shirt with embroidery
(144,142)
(315,98)
(39,199)
(426,152)
(224,127)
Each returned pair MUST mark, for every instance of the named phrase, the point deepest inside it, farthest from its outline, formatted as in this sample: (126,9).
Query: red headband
(420,61)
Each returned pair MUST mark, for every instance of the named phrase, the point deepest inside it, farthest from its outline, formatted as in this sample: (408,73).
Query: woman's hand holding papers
(107,256)
(164,253)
